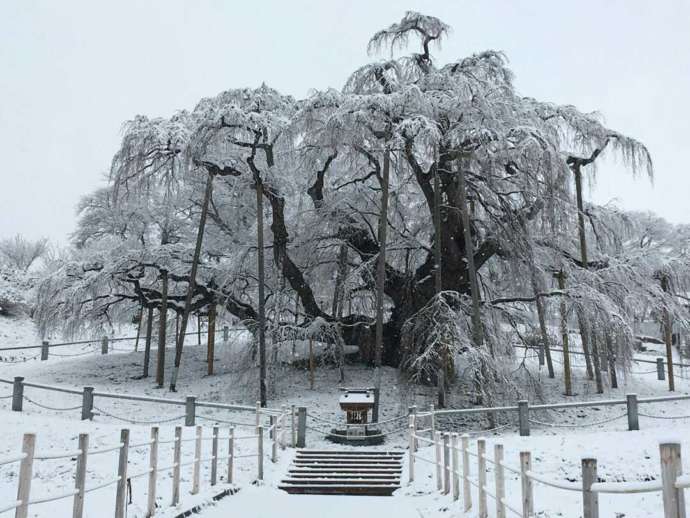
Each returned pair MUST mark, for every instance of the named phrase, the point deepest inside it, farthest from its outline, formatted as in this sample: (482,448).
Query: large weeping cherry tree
(432,203)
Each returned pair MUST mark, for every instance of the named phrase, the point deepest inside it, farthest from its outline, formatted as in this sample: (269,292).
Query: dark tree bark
(162,330)
(147,347)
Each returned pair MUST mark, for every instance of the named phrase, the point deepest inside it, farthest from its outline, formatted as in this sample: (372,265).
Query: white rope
(225,421)
(137,421)
(57,455)
(579,425)
(57,409)
(664,416)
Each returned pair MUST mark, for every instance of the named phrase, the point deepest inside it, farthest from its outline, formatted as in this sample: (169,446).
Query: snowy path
(267,502)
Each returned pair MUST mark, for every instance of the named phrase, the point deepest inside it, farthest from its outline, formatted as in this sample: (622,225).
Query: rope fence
(454,461)
(122,480)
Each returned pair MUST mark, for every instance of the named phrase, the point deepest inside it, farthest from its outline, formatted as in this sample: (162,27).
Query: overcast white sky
(71,72)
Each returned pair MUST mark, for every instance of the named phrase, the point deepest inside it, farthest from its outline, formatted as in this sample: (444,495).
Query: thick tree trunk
(477,332)
(611,357)
(162,330)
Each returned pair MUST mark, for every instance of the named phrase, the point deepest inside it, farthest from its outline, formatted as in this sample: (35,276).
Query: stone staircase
(344,472)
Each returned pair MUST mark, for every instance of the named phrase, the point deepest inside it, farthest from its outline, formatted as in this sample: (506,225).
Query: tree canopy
(318,164)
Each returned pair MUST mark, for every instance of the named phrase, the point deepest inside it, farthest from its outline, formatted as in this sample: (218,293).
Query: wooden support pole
(523,418)
(260,453)
(410,435)
(211,337)
(18,393)
(499,478)
(526,483)
(44,350)
(196,473)
(567,380)
(177,460)
(214,454)
(671,469)
(121,492)
(481,478)
(437,448)
(446,463)
(87,404)
(590,499)
(190,411)
(466,488)
(80,476)
(25,475)
(153,474)
(633,419)
(454,466)
(231,454)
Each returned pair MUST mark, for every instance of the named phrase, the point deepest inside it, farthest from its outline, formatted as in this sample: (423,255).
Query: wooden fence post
(410,431)
(104,345)
(413,408)
(44,350)
(177,459)
(190,411)
(273,434)
(260,454)
(196,473)
(633,420)
(283,426)
(481,478)
(499,478)
(527,486)
(446,463)
(301,427)
(80,476)
(660,373)
(466,489)
(433,420)
(523,418)
(437,448)
(258,413)
(293,428)
(25,475)
(18,394)
(153,475)
(225,334)
(671,468)
(454,465)
(214,454)
(87,404)
(231,453)
(121,494)
(590,499)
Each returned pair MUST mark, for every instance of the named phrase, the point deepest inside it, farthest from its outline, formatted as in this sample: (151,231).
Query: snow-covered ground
(622,455)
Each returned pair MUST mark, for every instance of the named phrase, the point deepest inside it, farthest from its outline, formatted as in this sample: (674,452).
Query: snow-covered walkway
(268,502)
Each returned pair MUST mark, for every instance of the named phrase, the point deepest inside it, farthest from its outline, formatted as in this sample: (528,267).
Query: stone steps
(344,472)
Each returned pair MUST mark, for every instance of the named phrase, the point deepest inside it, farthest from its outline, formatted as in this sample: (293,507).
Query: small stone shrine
(357,403)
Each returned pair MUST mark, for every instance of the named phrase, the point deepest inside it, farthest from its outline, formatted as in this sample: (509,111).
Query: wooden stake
(80,476)
(153,475)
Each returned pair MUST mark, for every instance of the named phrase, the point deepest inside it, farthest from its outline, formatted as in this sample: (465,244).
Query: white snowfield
(623,457)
